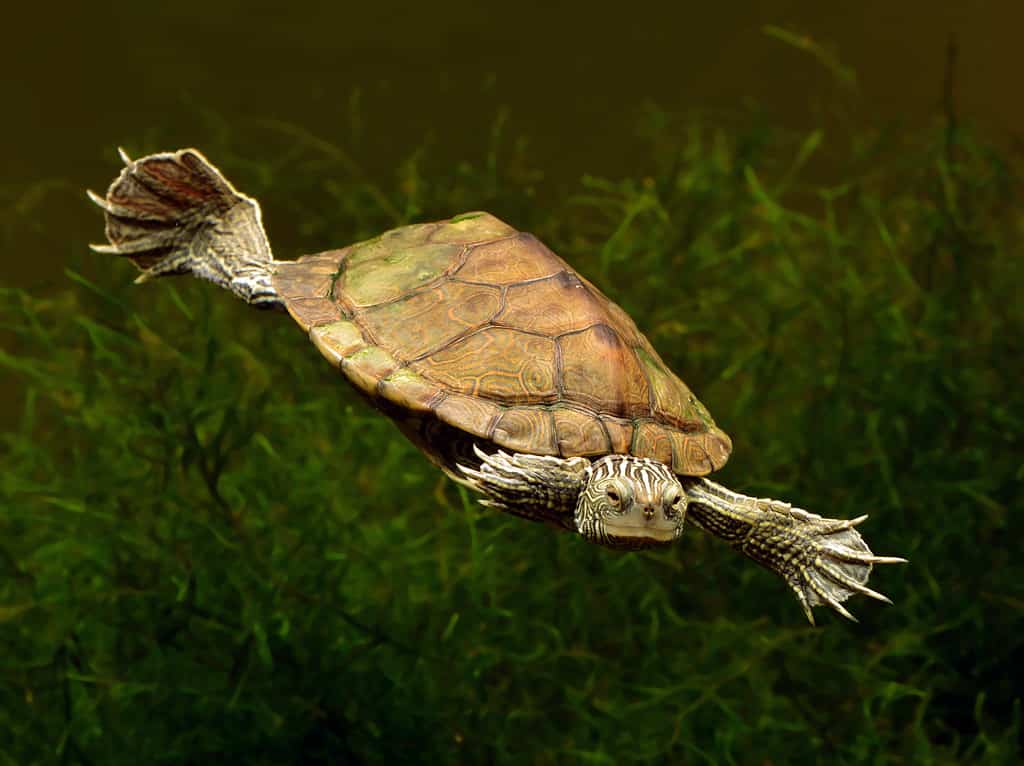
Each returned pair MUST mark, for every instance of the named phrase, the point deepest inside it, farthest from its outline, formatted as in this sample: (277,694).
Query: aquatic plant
(210,549)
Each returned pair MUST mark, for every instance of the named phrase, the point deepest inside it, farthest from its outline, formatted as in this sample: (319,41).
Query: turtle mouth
(638,535)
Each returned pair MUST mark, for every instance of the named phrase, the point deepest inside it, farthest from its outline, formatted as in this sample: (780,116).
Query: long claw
(124,156)
(827,597)
(802,598)
(97,199)
(111,249)
(857,557)
(841,578)
(875,595)
(841,609)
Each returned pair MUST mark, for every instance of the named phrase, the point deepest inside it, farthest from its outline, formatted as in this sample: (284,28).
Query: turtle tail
(175,213)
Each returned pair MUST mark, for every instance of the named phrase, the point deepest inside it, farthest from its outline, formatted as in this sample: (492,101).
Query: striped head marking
(630,502)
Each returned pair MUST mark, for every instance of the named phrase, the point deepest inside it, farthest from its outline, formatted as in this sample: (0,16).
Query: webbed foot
(175,213)
(824,561)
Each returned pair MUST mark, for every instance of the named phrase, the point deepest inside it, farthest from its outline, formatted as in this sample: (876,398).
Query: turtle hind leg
(824,561)
(175,213)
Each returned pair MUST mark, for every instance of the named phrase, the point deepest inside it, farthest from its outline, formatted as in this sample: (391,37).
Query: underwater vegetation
(212,550)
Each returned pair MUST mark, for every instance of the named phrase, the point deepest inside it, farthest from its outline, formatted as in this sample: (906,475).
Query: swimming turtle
(509,370)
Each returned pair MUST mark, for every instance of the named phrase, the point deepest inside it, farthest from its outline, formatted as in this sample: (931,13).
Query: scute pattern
(552,306)
(493,334)
(505,366)
(511,260)
(370,281)
(431,318)
(527,429)
(601,372)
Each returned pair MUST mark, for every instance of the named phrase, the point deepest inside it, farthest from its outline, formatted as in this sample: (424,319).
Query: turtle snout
(644,523)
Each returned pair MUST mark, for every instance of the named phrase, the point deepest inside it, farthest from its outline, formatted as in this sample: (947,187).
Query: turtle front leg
(536,487)
(824,561)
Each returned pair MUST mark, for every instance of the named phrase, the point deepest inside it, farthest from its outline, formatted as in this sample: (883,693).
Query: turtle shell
(485,329)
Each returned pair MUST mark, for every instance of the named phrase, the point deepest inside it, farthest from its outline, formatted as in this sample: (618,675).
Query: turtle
(508,369)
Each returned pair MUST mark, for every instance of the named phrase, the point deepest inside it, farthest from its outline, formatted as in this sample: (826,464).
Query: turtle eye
(617,494)
(672,501)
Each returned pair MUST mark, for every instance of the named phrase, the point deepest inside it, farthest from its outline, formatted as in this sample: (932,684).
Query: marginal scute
(312,276)
(579,433)
(367,367)
(700,454)
(687,458)
(694,459)
(328,258)
(621,434)
(313,312)
(428,319)
(409,390)
(471,227)
(337,340)
(601,372)
(502,365)
(527,429)
(470,413)
(509,261)
(652,440)
(552,306)
(393,274)
(719,446)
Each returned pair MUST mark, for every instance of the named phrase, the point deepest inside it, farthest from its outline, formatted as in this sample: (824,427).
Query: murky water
(79,78)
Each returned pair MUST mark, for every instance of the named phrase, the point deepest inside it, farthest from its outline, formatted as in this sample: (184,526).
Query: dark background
(78,79)
(212,552)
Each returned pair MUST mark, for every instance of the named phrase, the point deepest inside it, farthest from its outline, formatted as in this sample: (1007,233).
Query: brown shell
(487,330)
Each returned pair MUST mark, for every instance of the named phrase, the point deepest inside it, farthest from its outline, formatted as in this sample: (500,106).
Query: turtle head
(630,502)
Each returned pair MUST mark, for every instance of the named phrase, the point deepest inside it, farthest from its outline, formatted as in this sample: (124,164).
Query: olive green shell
(489,331)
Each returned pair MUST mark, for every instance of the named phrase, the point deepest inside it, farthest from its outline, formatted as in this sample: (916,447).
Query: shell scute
(431,318)
(311,276)
(672,401)
(388,243)
(313,312)
(470,413)
(337,340)
(600,371)
(410,391)
(620,432)
(580,433)
(476,226)
(366,367)
(653,441)
(527,429)
(496,363)
(552,306)
(392,274)
(509,261)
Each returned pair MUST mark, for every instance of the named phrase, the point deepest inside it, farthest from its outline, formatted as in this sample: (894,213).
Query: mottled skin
(508,369)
